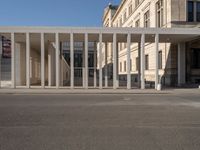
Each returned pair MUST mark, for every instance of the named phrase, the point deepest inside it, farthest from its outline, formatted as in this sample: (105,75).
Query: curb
(78,91)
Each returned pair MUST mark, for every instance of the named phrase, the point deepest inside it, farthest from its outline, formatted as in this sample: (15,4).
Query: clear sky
(53,12)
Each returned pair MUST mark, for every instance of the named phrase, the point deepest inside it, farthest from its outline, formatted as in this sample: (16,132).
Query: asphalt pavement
(100,121)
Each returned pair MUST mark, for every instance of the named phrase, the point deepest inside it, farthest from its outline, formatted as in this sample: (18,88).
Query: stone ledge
(81,91)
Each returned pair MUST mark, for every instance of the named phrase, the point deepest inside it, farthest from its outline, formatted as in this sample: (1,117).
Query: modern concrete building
(142,44)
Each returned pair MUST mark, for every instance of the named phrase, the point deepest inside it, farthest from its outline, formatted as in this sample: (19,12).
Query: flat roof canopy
(166,35)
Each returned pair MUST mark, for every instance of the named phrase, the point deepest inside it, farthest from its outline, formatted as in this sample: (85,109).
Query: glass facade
(78,56)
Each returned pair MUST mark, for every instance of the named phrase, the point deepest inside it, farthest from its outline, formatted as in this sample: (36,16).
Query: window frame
(147,19)
(137,63)
(193,12)
(137,23)
(147,62)
(125,66)
(130,9)
(120,66)
(160,59)
(159,13)
(137,3)
(125,15)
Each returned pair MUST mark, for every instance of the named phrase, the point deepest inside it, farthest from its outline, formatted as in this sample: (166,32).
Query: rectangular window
(90,59)
(137,64)
(190,11)
(159,14)
(120,22)
(131,65)
(137,23)
(160,60)
(146,62)
(130,9)
(120,66)
(137,2)
(198,11)
(125,45)
(196,59)
(125,17)
(124,66)
(147,19)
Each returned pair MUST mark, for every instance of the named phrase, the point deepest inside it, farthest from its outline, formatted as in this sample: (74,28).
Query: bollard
(159,87)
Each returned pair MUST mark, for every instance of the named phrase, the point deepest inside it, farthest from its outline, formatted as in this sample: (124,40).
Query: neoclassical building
(142,44)
(157,14)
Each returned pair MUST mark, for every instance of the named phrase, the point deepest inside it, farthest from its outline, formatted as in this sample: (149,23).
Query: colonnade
(141,36)
(85,73)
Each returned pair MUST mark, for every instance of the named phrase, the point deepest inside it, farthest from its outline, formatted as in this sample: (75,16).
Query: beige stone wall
(178,10)
(138,13)
(174,15)
(174,10)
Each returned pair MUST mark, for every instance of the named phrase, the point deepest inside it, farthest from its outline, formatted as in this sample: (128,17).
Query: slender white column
(100,61)
(129,61)
(72,59)
(117,64)
(61,68)
(95,65)
(139,60)
(27,60)
(13,60)
(57,61)
(50,66)
(142,63)
(0,57)
(106,65)
(83,65)
(42,61)
(156,59)
(86,60)
(181,64)
(114,61)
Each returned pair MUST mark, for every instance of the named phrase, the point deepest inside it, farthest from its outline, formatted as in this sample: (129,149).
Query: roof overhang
(166,35)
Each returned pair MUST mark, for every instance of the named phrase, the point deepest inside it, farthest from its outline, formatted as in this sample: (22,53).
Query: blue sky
(52,12)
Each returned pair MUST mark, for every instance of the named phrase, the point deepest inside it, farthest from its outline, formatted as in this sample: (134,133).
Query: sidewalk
(97,91)
(81,91)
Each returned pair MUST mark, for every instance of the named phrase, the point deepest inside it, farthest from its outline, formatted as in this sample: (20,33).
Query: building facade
(157,14)
(143,44)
